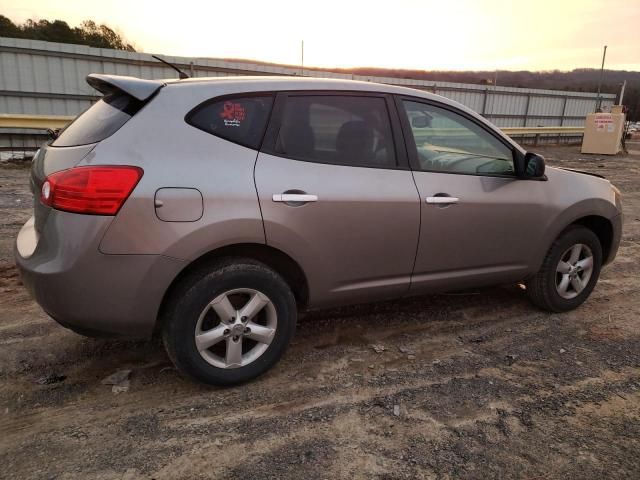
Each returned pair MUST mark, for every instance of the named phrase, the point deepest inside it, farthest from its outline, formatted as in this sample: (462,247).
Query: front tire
(230,322)
(569,271)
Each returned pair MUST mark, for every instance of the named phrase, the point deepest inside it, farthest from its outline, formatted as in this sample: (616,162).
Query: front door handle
(442,200)
(295,198)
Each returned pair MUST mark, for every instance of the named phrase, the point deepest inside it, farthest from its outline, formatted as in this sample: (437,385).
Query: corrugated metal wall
(44,78)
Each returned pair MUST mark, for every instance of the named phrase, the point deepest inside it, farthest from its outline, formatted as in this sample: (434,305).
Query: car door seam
(415,257)
(255,186)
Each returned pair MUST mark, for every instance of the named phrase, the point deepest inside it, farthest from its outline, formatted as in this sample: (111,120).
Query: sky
(425,35)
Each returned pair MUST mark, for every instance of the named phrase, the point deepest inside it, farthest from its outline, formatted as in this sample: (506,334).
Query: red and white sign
(604,122)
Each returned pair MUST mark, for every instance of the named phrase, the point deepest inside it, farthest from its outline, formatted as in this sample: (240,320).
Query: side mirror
(421,121)
(53,133)
(533,165)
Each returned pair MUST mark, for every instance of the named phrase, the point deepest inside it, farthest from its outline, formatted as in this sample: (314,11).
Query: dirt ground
(474,385)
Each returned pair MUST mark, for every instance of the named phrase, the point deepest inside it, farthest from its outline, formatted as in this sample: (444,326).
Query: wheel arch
(272,257)
(603,228)
(597,214)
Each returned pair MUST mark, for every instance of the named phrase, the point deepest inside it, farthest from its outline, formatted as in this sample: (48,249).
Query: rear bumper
(85,290)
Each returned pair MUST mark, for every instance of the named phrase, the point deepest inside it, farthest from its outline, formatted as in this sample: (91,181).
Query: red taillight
(92,190)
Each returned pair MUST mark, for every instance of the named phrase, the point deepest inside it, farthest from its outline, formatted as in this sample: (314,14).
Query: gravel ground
(473,385)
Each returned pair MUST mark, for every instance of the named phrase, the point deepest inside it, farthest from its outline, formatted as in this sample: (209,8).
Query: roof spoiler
(136,87)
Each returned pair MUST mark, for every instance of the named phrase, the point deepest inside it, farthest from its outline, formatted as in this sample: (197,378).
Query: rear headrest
(296,139)
(355,139)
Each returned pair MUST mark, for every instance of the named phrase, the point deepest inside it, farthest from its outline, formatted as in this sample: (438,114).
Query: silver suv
(210,211)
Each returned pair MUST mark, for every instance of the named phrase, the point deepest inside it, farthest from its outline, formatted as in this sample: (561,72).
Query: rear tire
(569,271)
(229,322)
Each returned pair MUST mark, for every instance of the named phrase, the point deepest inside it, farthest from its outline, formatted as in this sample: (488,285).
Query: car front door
(479,223)
(337,194)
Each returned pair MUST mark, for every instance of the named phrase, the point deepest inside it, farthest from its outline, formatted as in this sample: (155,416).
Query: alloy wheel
(236,328)
(574,270)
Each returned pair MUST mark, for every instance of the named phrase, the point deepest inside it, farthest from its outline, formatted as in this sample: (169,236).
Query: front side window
(340,129)
(450,143)
(240,120)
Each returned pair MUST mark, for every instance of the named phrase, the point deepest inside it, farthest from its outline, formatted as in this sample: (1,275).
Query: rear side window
(240,120)
(100,121)
(341,130)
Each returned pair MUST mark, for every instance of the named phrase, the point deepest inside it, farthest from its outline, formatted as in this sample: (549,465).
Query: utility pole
(302,59)
(599,100)
(624,84)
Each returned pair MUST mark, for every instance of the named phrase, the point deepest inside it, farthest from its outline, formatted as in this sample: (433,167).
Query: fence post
(484,102)
(526,110)
(564,111)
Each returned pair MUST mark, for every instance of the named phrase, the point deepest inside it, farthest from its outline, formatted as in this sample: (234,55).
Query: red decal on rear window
(233,114)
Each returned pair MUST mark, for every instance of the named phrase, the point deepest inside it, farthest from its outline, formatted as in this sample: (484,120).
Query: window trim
(269,93)
(412,148)
(275,122)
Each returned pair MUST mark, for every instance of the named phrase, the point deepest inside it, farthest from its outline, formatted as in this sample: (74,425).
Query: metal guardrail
(44,122)
(34,122)
(543,130)
(525,134)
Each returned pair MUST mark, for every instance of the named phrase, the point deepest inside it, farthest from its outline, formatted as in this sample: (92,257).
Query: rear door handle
(294,198)
(442,200)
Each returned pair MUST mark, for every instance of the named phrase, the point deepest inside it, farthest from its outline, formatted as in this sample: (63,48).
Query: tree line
(88,33)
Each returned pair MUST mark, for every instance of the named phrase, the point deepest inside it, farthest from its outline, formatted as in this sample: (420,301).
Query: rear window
(240,120)
(341,130)
(100,121)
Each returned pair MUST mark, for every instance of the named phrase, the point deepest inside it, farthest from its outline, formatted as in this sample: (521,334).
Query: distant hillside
(581,80)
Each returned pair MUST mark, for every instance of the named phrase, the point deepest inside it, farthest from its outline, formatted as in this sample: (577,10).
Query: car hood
(581,185)
(579,171)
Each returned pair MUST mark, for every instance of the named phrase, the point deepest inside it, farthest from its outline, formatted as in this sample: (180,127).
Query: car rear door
(337,195)
(479,223)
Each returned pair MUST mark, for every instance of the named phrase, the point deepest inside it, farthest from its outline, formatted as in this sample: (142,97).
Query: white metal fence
(44,78)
